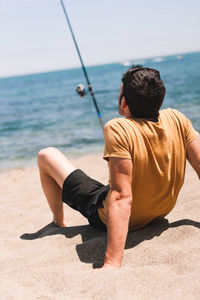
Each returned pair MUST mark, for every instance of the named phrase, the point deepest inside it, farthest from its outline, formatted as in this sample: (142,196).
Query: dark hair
(144,91)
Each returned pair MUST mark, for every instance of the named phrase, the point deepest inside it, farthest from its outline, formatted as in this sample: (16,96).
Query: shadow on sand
(93,245)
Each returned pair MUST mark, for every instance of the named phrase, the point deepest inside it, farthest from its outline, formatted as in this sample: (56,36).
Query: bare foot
(60,224)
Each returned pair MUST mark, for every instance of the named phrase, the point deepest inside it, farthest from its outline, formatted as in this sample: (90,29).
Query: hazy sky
(34,35)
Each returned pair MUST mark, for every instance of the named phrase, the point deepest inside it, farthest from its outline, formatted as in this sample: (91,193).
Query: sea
(41,110)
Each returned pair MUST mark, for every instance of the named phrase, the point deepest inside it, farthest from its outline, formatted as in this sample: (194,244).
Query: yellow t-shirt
(158,154)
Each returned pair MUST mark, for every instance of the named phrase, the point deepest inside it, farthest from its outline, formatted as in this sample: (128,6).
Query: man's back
(158,154)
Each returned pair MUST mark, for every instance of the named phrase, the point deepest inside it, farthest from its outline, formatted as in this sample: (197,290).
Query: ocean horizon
(123,62)
(43,109)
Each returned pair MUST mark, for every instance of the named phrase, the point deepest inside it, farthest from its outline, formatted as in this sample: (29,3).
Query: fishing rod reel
(81,90)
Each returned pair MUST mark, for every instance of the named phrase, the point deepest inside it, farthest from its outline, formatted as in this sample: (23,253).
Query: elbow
(127,200)
(120,204)
(121,198)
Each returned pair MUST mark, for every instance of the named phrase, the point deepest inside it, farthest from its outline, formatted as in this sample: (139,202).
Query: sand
(40,261)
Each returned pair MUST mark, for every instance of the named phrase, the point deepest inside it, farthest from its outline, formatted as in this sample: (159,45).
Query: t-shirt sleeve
(189,132)
(116,141)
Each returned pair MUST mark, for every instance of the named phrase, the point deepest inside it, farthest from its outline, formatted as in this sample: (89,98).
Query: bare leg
(54,168)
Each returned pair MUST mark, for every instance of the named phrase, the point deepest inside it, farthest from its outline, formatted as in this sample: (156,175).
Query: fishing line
(83,67)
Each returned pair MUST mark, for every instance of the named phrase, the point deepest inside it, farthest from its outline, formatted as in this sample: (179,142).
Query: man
(146,153)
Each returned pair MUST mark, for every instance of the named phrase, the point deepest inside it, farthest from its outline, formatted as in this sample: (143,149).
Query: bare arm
(119,209)
(193,155)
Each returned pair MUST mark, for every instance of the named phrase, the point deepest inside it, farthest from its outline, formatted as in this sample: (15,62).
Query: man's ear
(124,109)
(123,103)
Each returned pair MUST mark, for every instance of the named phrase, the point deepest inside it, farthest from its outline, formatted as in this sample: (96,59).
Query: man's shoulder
(116,127)
(116,123)
(171,111)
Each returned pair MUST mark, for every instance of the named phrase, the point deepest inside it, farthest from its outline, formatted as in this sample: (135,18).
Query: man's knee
(45,155)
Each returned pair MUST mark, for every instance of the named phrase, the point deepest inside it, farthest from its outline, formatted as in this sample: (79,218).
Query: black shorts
(85,195)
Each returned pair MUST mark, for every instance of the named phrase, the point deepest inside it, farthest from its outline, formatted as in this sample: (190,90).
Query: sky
(35,37)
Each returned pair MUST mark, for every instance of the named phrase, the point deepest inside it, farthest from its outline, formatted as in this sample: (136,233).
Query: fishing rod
(83,67)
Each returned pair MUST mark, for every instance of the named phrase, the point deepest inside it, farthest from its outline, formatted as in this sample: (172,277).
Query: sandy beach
(40,261)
